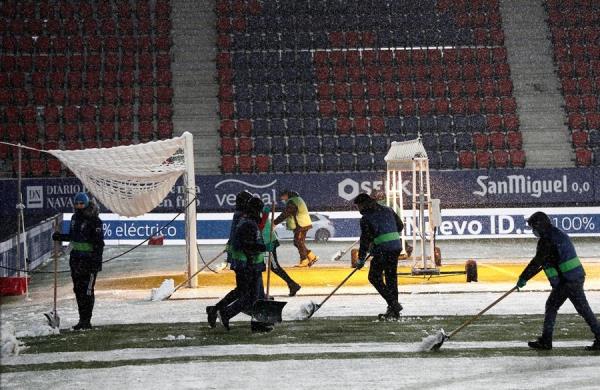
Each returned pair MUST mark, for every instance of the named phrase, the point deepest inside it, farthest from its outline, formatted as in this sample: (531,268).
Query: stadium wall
(333,192)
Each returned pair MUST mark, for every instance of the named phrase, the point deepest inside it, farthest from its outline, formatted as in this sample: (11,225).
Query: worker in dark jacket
(298,220)
(241,200)
(556,255)
(380,229)
(247,261)
(87,245)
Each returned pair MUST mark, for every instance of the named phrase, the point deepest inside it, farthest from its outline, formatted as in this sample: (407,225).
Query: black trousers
(277,270)
(383,275)
(574,292)
(242,298)
(83,287)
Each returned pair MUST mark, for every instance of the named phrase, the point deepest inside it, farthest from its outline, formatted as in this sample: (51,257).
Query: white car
(322,229)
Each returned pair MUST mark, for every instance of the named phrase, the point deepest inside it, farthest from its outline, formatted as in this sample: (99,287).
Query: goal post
(132,180)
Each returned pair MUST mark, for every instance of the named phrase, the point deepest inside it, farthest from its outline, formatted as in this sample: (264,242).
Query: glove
(361,263)
(521,283)
(56,236)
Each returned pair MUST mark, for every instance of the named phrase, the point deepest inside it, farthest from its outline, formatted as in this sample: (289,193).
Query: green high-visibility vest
(564,267)
(303,218)
(82,246)
(385,237)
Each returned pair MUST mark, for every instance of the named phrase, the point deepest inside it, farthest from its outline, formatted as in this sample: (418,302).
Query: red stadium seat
(244,127)
(517,158)
(145,131)
(227,129)
(125,132)
(165,129)
(361,125)
(228,146)
(483,159)
(107,131)
(501,158)
(262,163)
(583,157)
(480,141)
(228,164)
(165,112)
(514,139)
(343,126)
(245,145)
(497,140)
(145,112)
(579,138)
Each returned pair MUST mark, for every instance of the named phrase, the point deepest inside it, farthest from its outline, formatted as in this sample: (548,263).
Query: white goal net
(132,180)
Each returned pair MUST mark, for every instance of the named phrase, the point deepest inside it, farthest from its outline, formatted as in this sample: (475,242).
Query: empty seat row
(84,9)
(371,90)
(95,62)
(87,113)
(86,131)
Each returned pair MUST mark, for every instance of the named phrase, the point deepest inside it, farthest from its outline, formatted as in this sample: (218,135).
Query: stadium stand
(325,86)
(575,30)
(83,74)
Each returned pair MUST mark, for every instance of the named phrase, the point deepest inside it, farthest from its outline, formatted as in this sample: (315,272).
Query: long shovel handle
(342,253)
(271,251)
(200,270)
(476,317)
(338,286)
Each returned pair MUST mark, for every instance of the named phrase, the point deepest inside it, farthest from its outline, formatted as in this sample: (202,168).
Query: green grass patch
(315,330)
(443,353)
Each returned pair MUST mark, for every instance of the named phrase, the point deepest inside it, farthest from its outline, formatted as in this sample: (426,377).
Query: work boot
(260,327)
(224,320)
(312,258)
(82,326)
(540,344)
(303,263)
(393,312)
(294,287)
(381,316)
(211,313)
(595,346)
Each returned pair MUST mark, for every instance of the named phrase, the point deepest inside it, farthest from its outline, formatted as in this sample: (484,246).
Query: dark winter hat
(254,205)
(363,199)
(81,197)
(539,221)
(241,198)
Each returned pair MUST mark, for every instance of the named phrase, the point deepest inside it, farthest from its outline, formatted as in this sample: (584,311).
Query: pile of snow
(37,330)
(164,291)
(10,344)
(180,337)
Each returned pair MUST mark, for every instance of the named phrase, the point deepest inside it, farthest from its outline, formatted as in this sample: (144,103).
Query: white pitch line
(258,349)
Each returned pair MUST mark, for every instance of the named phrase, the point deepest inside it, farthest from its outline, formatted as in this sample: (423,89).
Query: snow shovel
(166,289)
(267,310)
(308,310)
(434,342)
(340,254)
(52,316)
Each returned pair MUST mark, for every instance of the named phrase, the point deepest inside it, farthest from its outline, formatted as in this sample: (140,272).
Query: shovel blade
(442,336)
(267,311)
(53,319)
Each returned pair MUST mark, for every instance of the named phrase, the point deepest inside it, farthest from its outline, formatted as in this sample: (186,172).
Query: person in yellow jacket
(298,220)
